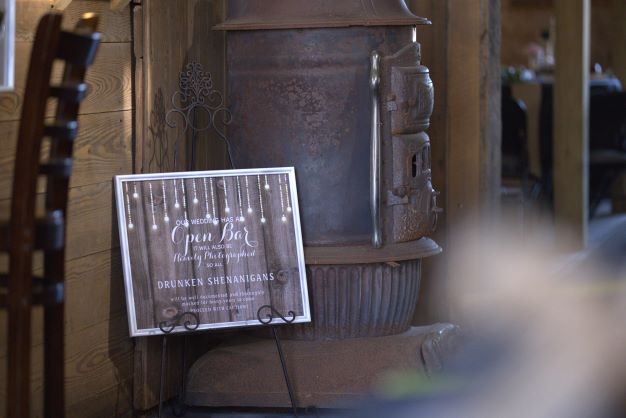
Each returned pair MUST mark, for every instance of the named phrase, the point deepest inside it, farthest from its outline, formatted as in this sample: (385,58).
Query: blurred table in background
(537,96)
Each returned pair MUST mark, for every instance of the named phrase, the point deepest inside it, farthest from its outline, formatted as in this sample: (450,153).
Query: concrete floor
(606,249)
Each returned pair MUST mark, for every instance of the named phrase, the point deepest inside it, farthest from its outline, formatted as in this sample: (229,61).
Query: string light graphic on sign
(176,203)
(129,216)
(234,187)
(287,194)
(215,220)
(154,225)
(195,192)
(182,186)
(282,201)
(261,198)
(197,259)
(248,196)
(166,217)
(241,218)
(226,207)
(206,199)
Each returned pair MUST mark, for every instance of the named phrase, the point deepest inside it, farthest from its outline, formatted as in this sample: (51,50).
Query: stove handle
(375,162)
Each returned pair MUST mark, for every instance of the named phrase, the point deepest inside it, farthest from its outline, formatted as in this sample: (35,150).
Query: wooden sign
(217,244)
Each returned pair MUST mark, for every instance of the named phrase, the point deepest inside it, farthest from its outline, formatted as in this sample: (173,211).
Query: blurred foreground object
(542,341)
(25,233)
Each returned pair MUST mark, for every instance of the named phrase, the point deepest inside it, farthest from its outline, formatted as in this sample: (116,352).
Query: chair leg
(19,347)
(54,395)
(601,187)
(54,332)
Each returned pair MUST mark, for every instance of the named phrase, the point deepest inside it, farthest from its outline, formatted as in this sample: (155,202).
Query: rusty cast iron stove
(336,89)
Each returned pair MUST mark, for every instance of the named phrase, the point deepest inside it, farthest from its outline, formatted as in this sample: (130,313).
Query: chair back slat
(74,93)
(80,50)
(67,130)
(57,167)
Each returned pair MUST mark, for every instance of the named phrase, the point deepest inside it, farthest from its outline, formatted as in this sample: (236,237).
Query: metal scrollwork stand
(197,98)
(167,327)
(267,320)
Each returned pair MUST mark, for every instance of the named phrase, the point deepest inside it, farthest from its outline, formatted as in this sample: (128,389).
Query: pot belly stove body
(336,89)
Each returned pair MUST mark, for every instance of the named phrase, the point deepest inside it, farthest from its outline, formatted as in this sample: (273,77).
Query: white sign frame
(121,197)
(7,46)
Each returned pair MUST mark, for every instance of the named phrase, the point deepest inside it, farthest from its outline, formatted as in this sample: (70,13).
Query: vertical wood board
(571,123)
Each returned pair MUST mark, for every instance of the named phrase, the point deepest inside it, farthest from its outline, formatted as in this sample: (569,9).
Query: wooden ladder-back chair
(25,233)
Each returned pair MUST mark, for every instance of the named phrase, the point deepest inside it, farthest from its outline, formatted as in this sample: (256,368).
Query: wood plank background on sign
(246,250)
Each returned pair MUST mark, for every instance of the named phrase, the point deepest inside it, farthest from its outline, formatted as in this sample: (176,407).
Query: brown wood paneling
(91,227)
(173,32)
(98,358)
(99,362)
(138,105)
(571,123)
(109,81)
(462,50)
(101,150)
(94,288)
(98,369)
(431,303)
(618,38)
(113,25)
(474,130)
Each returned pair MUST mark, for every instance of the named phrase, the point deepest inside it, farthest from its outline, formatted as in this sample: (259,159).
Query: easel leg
(162,383)
(279,347)
(179,407)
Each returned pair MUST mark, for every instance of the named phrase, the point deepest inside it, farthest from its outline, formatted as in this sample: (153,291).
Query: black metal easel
(268,321)
(197,95)
(167,327)
(196,98)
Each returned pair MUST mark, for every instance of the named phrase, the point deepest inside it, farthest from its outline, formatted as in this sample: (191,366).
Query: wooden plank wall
(434,38)
(98,349)
(173,34)
(618,38)
(571,123)
(462,50)
(168,35)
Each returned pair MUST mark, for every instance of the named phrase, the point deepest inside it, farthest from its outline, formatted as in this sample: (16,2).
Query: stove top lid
(300,14)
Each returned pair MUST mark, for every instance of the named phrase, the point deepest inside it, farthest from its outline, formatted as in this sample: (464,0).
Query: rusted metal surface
(301,98)
(299,91)
(359,300)
(411,209)
(360,254)
(300,14)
